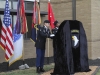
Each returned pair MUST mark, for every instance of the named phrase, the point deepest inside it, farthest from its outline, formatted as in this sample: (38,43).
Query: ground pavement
(92,72)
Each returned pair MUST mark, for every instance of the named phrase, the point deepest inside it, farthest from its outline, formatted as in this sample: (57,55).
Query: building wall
(87,11)
(2,58)
(61,12)
(95,29)
(83,14)
(62,9)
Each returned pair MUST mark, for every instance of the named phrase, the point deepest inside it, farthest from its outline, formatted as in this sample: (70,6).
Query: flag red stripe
(3,38)
(2,45)
(9,51)
(10,33)
(6,57)
(10,43)
(3,29)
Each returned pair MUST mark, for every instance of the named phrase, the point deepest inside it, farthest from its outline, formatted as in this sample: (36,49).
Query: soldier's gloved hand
(52,35)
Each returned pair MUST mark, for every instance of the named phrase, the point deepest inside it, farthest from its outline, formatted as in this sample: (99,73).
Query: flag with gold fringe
(36,20)
(6,42)
(21,23)
(18,47)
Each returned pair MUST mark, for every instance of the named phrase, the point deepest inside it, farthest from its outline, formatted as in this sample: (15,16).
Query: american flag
(6,33)
(0,27)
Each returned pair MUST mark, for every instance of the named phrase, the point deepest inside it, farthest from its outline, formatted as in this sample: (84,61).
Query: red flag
(22,14)
(24,22)
(51,17)
(34,15)
(38,13)
(21,24)
(6,33)
(36,19)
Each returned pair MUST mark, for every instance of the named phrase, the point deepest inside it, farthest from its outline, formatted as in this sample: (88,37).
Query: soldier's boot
(42,70)
(38,70)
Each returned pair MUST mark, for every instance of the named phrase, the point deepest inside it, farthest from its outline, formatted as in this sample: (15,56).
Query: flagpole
(24,66)
(48,52)
(23,51)
(48,47)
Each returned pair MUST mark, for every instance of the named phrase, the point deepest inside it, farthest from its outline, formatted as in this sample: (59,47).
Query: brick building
(87,11)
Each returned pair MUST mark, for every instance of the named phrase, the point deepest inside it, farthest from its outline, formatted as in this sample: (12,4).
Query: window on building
(13,5)
(2,4)
(29,6)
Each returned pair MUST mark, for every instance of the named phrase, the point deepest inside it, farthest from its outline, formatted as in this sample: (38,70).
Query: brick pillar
(95,29)
(83,14)
(88,11)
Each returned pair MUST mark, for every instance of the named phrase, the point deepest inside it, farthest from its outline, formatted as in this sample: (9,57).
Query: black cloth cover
(70,58)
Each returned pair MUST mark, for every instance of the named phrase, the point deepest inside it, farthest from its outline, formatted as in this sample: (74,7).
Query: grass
(98,73)
(30,71)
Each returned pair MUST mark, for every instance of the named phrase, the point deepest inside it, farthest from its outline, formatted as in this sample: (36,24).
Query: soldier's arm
(43,32)
(52,31)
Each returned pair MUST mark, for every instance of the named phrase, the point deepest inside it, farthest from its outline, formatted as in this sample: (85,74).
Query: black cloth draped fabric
(70,45)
